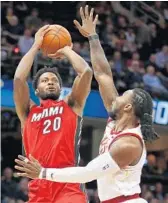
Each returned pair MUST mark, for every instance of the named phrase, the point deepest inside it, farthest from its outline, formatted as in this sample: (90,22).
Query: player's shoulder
(127,140)
(125,151)
(127,144)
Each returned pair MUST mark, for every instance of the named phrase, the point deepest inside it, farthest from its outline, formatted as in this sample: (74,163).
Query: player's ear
(128,107)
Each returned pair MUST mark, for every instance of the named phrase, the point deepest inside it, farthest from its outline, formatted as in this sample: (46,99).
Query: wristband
(92,37)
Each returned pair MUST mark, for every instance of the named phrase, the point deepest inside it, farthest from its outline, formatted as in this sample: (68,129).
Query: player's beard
(113,115)
(52,96)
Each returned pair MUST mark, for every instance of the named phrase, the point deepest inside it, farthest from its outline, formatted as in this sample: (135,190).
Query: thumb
(77,24)
(51,55)
(55,54)
(32,158)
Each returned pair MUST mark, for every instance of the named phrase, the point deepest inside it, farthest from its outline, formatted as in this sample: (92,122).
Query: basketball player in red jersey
(122,150)
(51,131)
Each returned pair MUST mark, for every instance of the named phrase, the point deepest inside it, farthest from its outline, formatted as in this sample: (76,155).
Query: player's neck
(125,122)
(45,100)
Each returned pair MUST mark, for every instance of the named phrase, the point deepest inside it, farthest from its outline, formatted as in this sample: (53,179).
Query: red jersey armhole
(32,106)
(71,109)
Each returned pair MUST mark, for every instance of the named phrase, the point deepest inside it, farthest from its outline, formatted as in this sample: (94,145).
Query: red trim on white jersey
(122,198)
(115,133)
(126,134)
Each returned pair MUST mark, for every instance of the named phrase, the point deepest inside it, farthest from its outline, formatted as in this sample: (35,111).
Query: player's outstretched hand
(88,26)
(61,53)
(40,34)
(30,168)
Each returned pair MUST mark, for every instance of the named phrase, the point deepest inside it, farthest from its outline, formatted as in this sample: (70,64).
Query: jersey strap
(126,134)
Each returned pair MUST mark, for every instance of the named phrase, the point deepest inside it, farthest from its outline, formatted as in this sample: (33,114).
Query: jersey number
(55,125)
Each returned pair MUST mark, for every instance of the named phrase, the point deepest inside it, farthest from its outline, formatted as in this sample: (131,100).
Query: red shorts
(66,198)
(46,192)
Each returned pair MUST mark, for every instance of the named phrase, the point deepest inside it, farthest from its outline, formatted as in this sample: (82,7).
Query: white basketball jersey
(126,181)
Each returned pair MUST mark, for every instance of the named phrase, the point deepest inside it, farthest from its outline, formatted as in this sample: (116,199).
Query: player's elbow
(88,71)
(99,71)
(17,82)
(126,154)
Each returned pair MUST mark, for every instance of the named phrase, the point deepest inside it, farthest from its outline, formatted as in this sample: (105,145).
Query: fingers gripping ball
(56,38)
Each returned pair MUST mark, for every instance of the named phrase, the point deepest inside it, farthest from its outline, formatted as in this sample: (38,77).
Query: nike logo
(52,174)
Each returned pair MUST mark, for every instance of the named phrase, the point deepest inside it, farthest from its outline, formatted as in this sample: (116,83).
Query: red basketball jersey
(52,134)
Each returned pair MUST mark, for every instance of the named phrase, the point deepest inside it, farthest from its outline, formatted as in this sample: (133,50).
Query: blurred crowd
(11,190)
(156,190)
(154,182)
(137,48)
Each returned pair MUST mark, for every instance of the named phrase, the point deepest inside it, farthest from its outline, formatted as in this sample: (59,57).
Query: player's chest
(50,120)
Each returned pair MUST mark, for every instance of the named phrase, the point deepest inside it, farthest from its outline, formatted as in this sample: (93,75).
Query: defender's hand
(61,53)
(30,168)
(88,26)
(40,34)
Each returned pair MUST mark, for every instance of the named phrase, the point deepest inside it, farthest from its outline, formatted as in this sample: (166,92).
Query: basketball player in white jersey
(122,150)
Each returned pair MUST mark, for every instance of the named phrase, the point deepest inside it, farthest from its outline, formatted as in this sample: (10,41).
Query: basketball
(55,39)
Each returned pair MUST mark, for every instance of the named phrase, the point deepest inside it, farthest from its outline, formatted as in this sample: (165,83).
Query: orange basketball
(56,38)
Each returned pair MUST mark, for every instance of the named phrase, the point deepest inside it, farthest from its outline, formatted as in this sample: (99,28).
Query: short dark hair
(143,108)
(45,70)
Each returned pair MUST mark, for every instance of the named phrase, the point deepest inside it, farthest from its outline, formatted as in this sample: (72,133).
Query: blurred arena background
(134,36)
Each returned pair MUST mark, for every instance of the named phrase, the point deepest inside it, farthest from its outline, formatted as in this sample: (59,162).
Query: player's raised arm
(102,70)
(21,90)
(82,83)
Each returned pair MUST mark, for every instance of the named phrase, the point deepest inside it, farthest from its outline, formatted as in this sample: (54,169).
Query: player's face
(122,104)
(48,86)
